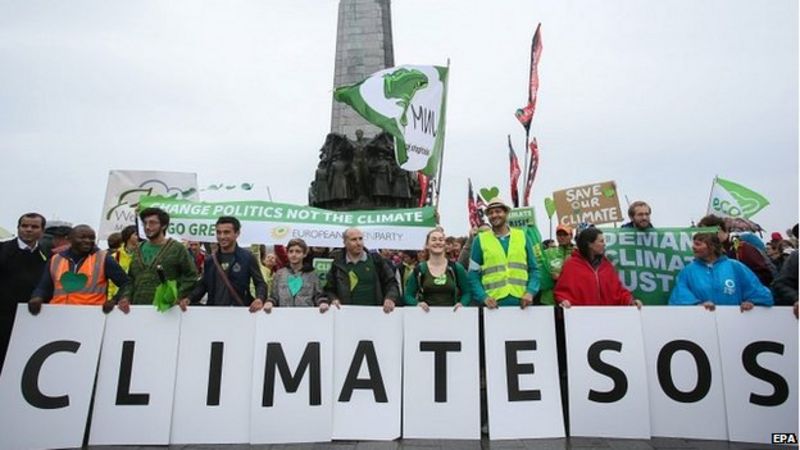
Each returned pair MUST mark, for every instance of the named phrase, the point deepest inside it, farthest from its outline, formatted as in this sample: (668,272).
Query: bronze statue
(361,174)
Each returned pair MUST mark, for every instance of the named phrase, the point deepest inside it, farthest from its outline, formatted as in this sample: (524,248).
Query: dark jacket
(338,281)
(754,259)
(785,285)
(20,271)
(633,225)
(244,267)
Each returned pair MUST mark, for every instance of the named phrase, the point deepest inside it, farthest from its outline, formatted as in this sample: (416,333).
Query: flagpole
(441,130)
(527,169)
(711,194)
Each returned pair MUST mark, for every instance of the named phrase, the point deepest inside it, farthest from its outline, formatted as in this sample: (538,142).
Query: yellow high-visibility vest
(503,275)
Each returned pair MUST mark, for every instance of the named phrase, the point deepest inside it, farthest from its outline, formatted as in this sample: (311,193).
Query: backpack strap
(417,274)
(224,277)
(451,270)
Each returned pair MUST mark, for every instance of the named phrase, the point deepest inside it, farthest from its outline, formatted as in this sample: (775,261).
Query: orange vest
(92,293)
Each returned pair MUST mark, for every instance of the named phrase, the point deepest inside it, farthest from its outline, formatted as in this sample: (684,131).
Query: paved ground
(538,444)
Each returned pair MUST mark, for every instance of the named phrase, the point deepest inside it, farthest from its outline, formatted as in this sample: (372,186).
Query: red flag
(533,166)
(472,207)
(525,114)
(423,188)
(480,205)
(514,173)
(426,186)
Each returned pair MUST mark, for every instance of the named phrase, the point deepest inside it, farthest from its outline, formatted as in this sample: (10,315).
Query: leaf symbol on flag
(402,84)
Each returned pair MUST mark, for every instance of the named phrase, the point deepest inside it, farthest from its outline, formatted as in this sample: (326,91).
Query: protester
(502,267)
(784,288)
(78,275)
(157,252)
(714,279)
(56,236)
(639,215)
(453,247)
(559,254)
(775,253)
(466,249)
(588,278)
(270,263)
(437,281)
(408,262)
(124,254)
(358,277)
(741,250)
(554,259)
(228,272)
(785,285)
(198,255)
(114,241)
(130,242)
(22,261)
(297,284)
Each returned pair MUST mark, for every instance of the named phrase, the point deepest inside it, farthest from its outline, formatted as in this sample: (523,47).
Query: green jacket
(178,265)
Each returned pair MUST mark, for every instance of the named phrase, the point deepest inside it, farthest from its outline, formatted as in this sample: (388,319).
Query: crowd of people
(495,266)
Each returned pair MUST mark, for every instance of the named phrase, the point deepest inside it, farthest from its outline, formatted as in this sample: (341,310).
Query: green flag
(729,199)
(407,102)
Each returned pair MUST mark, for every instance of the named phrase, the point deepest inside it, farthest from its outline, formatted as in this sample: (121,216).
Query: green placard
(522,217)
(649,261)
(322,266)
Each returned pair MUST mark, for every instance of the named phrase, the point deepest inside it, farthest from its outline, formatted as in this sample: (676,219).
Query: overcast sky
(658,96)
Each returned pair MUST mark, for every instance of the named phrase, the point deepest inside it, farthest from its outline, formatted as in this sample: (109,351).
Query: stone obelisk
(363,47)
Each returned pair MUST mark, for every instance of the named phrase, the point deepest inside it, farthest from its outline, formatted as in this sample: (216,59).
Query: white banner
(125,187)
(760,369)
(212,395)
(292,399)
(47,379)
(441,387)
(355,371)
(136,378)
(277,223)
(522,382)
(605,358)
(684,373)
(367,369)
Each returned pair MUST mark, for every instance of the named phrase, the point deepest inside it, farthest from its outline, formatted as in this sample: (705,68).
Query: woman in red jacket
(588,278)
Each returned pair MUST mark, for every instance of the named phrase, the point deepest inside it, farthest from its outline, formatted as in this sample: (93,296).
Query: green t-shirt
(362,283)
(149,252)
(438,291)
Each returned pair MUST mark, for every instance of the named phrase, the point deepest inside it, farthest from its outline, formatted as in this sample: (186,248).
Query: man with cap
(554,258)
(56,236)
(502,266)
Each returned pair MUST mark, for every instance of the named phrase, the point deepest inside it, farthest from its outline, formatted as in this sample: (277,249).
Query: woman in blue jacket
(714,279)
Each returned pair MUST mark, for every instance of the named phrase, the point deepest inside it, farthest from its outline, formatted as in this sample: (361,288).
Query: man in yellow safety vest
(502,266)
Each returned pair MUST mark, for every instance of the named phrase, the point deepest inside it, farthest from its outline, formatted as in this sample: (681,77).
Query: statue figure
(401,189)
(319,193)
(380,159)
(341,176)
(361,174)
